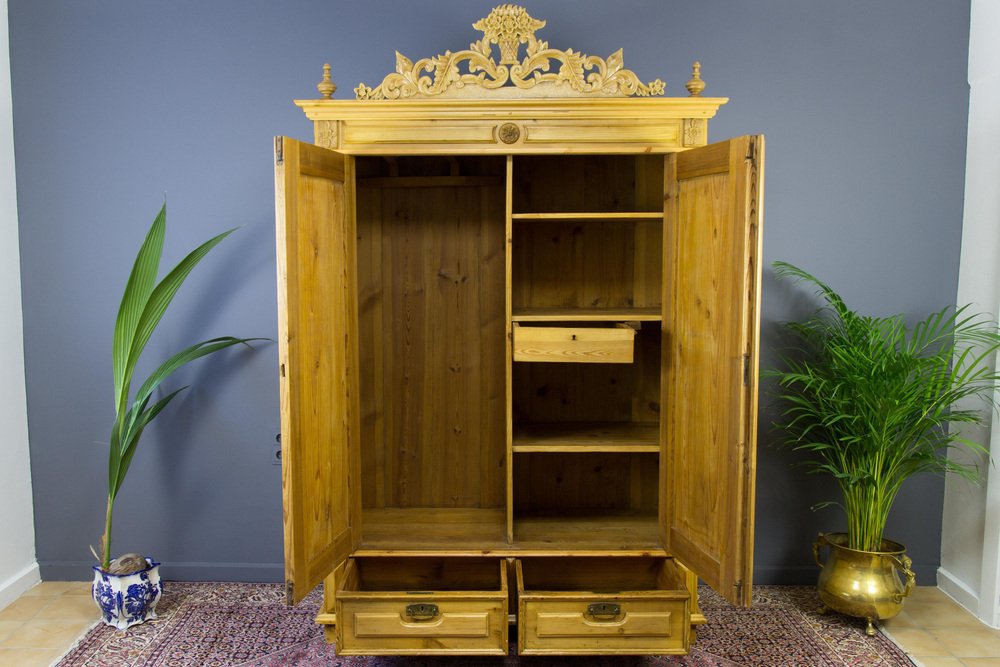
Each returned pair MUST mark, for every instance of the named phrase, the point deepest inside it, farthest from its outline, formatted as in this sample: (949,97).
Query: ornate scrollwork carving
(543,72)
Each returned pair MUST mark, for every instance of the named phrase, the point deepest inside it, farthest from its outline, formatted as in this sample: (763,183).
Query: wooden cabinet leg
(697,618)
(327,616)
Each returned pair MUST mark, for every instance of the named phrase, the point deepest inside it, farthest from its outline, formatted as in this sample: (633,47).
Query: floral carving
(326,133)
(542,69)
(508,26)
(695,131)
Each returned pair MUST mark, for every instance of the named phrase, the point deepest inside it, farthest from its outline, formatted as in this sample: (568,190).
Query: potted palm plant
(871,402)
(126,589)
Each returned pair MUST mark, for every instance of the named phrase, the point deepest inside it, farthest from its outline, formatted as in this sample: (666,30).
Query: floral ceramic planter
(128,599)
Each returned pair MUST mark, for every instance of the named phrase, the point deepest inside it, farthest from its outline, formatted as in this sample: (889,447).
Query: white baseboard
(961,593)
(11,589)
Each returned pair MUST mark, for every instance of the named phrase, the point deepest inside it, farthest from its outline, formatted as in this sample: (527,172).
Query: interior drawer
(601,605)
(431,606)
(596,345)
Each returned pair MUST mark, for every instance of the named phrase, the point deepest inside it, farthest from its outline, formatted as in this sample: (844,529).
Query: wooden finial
(695,85)
(326,87)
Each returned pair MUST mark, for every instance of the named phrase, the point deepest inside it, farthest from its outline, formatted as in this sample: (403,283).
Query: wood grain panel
(710,325)
(318,358)
(592,392)
(423,528)
(555,612)
(600,532)
(509,346)
(464,600)
(371,346)
(587,437)
(613,132)
(586,184)
(568,482)
(601,345)
(589,264)
(432,281)
(646,314)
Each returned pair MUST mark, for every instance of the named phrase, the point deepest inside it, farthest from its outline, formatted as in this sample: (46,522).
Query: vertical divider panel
(669,275)
(353,360)
(509,341)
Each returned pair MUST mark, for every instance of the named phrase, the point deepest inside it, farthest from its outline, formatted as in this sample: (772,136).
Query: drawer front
(430,606)
(572,344)
(591,625)
(403,625)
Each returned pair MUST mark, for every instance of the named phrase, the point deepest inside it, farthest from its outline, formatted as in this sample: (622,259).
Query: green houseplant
(128,593)
(871,402)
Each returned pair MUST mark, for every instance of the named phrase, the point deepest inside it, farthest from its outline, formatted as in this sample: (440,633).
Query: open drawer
(592,605)
(595,345)
(430,606)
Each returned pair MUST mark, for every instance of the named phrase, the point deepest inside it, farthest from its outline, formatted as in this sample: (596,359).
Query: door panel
(710,343)
(318,356)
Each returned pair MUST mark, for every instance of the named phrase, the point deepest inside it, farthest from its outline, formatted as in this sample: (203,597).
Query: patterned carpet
(248,625)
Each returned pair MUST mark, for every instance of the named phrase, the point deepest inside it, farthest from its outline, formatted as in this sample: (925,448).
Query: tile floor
(41,625)
(936,632)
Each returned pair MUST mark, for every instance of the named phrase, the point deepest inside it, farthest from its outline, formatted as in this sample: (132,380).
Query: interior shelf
(650,314)
(587,437)
(480,532)
(598,216)
(432,528)
(592,531)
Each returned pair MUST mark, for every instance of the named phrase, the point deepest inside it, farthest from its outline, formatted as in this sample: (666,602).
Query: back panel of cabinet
(587,232)
(431,319)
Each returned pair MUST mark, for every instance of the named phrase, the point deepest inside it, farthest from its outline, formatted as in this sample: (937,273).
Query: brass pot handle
(903,564)
(820,542)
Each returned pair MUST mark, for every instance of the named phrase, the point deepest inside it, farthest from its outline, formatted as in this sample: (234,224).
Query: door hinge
(289,593)
(746,370)
(752,152)
(739,589)
(279,150)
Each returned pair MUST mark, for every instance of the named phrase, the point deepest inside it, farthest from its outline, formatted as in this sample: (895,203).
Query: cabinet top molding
(544,72)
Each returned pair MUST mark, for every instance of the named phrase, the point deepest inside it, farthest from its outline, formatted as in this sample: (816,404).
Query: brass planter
(864,584)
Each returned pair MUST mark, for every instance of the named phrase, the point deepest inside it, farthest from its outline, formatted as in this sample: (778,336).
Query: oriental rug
(248,625)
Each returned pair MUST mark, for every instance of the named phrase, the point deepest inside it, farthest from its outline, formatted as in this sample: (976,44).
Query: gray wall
(120,103)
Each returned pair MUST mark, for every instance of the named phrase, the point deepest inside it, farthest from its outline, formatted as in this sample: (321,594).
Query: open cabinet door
(711,304)
(318,356)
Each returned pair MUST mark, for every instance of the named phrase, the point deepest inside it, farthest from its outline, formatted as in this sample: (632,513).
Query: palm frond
(143,305)
(874,402)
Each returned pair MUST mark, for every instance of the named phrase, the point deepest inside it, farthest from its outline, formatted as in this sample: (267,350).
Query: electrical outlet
(276,451)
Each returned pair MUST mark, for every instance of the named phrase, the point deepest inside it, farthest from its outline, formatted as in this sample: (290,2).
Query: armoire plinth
(518,322)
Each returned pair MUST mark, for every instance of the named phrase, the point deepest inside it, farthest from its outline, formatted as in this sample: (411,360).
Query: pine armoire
(518,321)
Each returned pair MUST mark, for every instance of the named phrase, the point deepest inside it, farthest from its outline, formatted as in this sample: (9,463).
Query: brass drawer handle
(422,610)
(604,609)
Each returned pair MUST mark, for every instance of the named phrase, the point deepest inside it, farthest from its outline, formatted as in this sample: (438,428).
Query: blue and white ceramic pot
(128,599)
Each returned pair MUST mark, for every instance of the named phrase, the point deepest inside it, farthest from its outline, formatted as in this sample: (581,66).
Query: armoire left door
(318,357)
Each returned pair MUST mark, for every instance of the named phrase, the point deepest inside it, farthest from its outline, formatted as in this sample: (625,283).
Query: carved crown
(543,72)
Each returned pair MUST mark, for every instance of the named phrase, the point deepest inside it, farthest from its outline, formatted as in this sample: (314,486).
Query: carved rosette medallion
(543,72)
(508,133)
